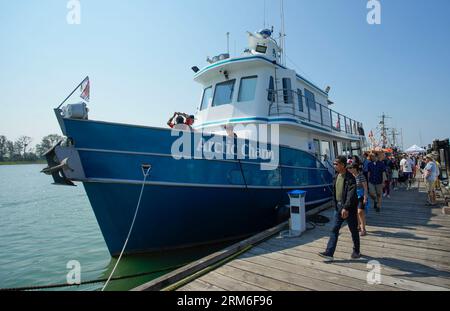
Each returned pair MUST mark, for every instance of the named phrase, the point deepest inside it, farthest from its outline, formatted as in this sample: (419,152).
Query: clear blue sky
(138,55)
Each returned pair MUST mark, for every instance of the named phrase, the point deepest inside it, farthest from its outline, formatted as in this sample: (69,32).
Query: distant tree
(10,150)
(17,151)
(25,142)
(47,142)
(3,147)
(30,156)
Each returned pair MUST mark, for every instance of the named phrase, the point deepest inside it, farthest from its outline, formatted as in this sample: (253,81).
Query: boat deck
(410,241)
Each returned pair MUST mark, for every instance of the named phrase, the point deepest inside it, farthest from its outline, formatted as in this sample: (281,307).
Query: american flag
(84,88)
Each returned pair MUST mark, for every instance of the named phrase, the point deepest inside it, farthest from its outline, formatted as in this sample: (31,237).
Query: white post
(298,211)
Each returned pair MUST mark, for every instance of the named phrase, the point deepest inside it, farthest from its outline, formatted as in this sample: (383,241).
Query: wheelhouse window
(271,91)
(310,99)
(287,91)
(224,93)
(247,89)
(206,99)
(300,100)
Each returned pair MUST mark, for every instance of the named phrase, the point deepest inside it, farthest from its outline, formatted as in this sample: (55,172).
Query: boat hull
(185,202)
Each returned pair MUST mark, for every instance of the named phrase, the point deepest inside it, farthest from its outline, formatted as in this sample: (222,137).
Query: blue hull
(185,202)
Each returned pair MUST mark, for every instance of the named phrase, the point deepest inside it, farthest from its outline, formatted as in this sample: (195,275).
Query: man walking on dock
(376,171)
(345,202)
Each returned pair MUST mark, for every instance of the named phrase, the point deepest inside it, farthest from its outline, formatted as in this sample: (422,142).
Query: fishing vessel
(189,187)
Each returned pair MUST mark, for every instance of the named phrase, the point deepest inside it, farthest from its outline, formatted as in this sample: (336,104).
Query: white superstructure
(255,88)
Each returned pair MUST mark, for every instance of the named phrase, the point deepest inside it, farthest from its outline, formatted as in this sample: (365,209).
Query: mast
(383,130)
(394,134)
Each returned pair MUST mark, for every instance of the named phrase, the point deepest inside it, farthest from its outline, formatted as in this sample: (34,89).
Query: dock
(407,249)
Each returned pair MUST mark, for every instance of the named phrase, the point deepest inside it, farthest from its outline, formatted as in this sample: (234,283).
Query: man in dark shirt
(346,205)
(376,170)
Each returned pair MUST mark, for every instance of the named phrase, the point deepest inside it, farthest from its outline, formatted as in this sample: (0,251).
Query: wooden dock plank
(227,282)
(257,278)
(314,274)
(200,285)
(287,276)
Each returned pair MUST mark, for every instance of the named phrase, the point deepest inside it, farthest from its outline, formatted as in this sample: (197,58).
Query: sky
(138,55)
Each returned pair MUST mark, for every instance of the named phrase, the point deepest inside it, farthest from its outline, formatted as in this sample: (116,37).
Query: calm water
(43,227)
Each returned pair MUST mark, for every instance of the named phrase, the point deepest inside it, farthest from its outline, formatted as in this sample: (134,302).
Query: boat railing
(286,102)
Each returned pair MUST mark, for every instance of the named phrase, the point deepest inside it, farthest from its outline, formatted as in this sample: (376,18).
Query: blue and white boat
(195,192)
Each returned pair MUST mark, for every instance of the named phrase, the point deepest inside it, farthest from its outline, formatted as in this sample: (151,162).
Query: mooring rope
(145,170)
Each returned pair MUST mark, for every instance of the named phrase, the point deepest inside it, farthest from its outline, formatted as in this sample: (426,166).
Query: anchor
(56,169)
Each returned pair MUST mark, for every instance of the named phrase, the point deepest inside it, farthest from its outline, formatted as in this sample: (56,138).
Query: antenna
(228,43)
(282,34)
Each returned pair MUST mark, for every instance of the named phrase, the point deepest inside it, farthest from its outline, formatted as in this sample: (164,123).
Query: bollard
(298,212)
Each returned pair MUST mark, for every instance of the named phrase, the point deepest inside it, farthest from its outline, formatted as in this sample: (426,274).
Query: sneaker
(388,196)
(326,256)
(363,233)
(356,255)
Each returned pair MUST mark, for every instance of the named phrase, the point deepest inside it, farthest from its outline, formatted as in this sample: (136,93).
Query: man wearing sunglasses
(346,205)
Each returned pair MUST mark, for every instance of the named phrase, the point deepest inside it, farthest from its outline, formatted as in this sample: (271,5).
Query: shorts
(375,190)
(437,183)
(407,175)
(361,203)
(429,185)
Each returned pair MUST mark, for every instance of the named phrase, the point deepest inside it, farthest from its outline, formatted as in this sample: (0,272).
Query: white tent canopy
(415,149)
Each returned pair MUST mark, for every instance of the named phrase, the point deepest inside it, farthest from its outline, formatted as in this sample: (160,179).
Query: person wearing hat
(430,173)
(345,201)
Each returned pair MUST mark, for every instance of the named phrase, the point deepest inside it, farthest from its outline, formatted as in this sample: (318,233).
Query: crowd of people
(399,172)
(372,178)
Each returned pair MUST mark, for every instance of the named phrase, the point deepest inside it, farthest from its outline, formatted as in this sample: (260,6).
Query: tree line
(21,150)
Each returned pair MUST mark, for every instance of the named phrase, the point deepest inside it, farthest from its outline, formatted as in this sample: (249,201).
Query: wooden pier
(409,241)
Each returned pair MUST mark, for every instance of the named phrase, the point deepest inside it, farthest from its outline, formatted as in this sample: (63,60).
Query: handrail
(327,117)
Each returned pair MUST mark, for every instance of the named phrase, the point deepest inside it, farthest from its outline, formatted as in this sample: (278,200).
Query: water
(43,227)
